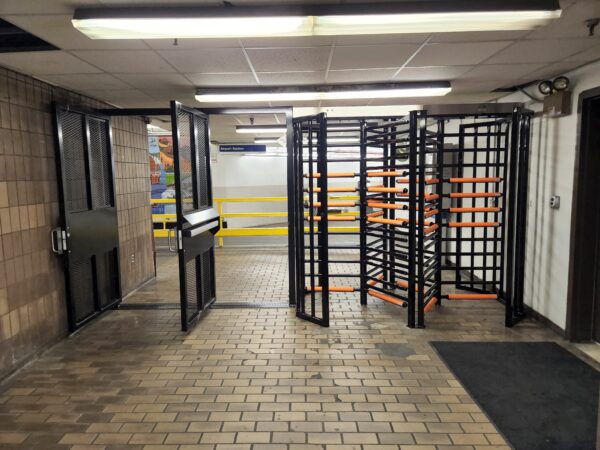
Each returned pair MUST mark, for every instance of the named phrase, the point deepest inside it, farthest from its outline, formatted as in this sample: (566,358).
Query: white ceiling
(138,73)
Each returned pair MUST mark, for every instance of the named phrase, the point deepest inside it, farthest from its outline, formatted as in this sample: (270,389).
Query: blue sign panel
(235,148)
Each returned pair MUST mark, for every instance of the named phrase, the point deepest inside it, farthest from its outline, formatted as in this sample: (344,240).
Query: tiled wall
(32,292)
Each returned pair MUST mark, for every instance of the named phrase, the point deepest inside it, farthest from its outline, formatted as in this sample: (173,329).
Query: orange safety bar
(337,189)
(386,298)
(431,212)
(475,180)
(428,197)
(386,189)
(473,224)
(474,210)
(427,180)
(374,204)
(472,296)
(334,203)
(430,304)
(332,289)
(399,221)
(376,214)
(404,284)
(386,173)
(474,194)
(373,282)
(333,175)
(430,229)
(334,218)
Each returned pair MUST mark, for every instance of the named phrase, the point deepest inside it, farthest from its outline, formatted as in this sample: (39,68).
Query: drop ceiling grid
(151,69)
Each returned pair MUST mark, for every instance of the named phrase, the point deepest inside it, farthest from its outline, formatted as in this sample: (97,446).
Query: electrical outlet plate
(555,202)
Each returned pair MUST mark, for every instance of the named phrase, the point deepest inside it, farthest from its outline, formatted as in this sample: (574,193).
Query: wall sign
(243,148)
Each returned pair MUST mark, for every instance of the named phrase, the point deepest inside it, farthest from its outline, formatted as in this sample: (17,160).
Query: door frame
(291,169)
(580,300)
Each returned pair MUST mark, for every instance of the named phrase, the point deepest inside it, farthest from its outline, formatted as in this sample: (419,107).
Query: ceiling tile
(80,82)
(155,80)
(120,97)
(46,63)
(589,55)
(187,44)
(58,30)
(542,51)
(222,79)
(207,60)
(478,36)
(431,73)
(42,7)
(457,54)
(551,70)
(360,75)
(125,61)
(291,78)
(371,56)
(298,41)
(385,39)
(500,71)
(462,86)
(293,58)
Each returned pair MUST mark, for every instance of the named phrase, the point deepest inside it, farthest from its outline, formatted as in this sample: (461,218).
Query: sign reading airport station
(245,148)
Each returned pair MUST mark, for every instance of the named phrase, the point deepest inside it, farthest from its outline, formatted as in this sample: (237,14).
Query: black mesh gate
(197,220)
(88,237)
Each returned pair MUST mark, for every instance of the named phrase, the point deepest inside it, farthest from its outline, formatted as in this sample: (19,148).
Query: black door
(88,238)
(310,154)
(197,220)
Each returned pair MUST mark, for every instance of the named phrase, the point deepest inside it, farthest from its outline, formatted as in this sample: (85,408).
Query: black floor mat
(538,394)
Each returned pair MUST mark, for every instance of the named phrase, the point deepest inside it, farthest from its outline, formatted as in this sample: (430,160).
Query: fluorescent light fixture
(260,129)
(411,16)
(323,92)
(271,140)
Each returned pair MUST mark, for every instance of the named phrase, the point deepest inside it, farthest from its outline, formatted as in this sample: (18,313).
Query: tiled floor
(243,275)
(256,379)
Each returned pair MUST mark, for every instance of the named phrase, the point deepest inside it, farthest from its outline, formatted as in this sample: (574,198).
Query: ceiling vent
(14,39)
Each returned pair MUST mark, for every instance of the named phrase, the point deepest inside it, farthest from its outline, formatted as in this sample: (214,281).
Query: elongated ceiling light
(413,16)
(260,129)
(323,92)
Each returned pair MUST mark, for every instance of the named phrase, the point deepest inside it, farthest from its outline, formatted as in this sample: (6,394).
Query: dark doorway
(583,315)
(88,238)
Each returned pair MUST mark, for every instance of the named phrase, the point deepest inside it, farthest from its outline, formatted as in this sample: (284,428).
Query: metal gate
(197,220)
(88,237)
(310,148)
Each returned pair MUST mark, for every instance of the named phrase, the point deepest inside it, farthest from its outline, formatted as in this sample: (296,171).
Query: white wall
(553,145)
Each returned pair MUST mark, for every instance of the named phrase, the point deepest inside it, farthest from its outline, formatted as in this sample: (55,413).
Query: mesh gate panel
(76,188)
(82,288)
(185,163)
(106,266)
(101,183)
(191,284)
(202,153)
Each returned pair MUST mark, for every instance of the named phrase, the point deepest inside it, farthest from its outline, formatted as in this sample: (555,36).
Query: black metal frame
(83,238)
(417,251)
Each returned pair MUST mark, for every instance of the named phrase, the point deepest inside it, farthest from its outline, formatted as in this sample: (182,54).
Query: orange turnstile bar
(474,210)
(473,224)
(333,175)
(430,304)
(386,298)
(474,194)
(386,173)
(332,289)
(337,189)
(475,180)
(334,203)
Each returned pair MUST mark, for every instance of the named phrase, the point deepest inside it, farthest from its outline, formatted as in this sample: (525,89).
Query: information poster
(162,176)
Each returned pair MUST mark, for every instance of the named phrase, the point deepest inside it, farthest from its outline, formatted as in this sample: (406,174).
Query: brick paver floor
(253,379)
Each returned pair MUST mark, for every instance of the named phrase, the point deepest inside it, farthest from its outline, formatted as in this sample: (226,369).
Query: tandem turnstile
(429,206)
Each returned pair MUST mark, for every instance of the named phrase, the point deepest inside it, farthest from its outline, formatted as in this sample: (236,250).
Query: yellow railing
(166,219)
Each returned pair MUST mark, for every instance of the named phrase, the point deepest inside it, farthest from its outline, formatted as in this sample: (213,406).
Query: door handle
(170,240)
(57,238)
